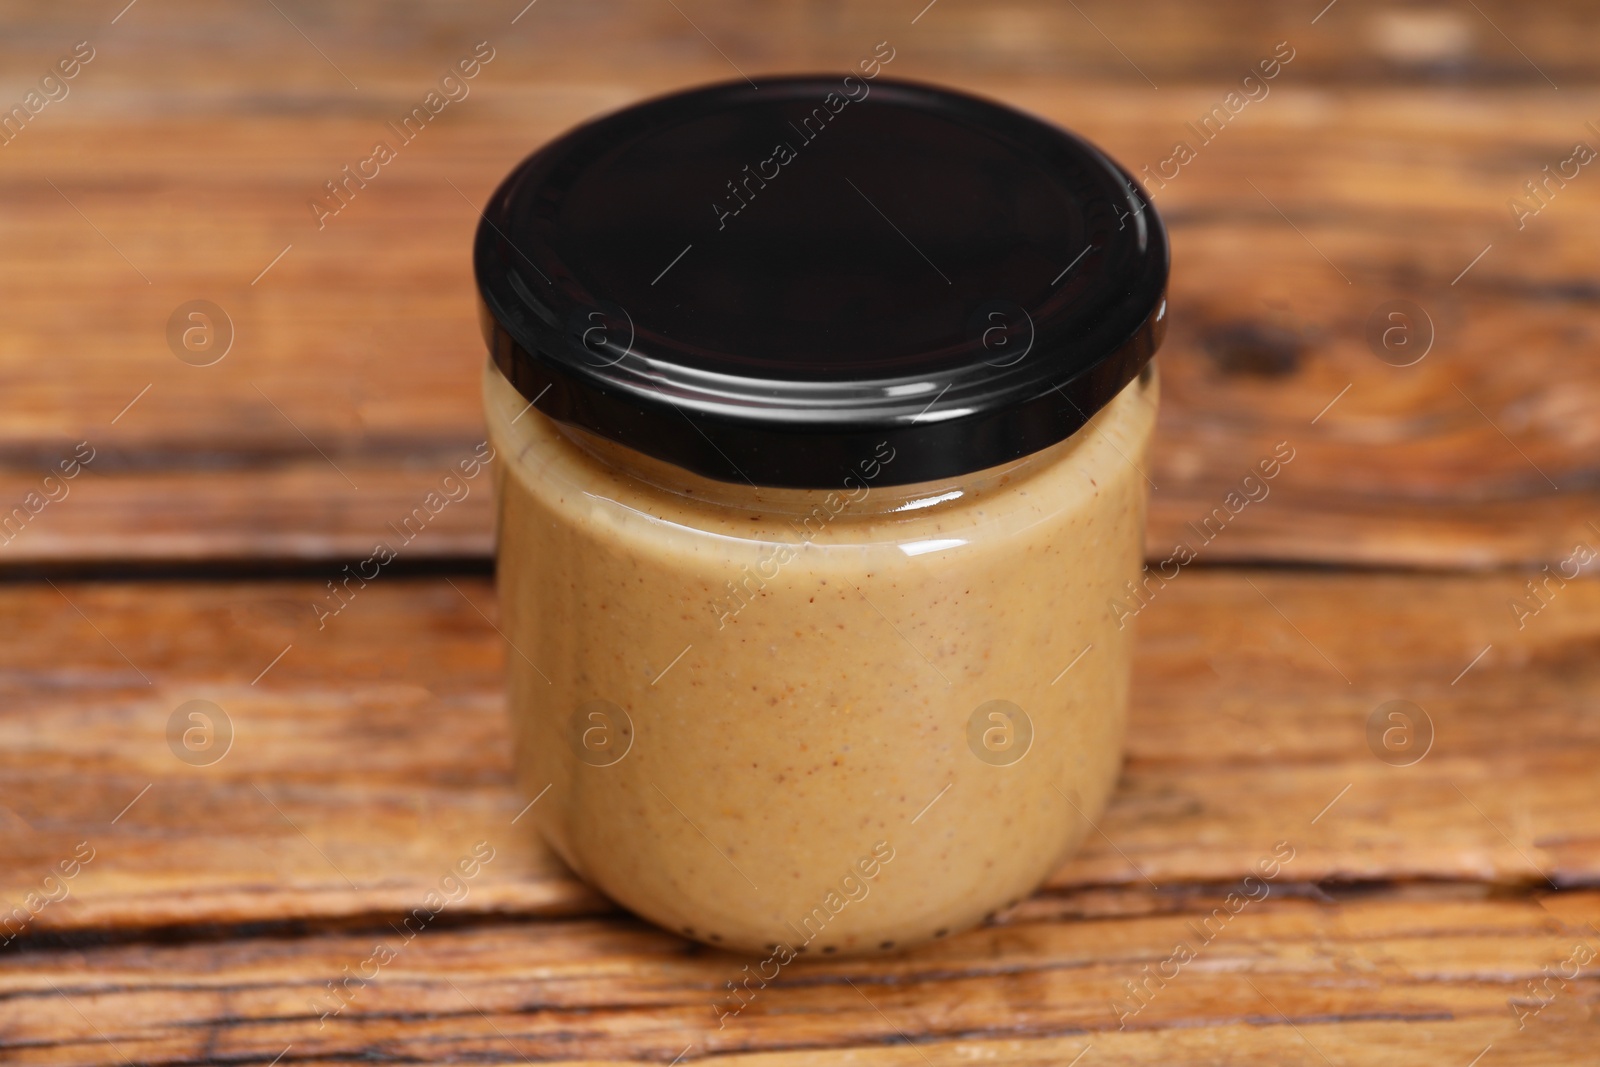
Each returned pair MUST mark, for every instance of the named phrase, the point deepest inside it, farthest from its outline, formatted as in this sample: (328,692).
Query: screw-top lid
(764,284)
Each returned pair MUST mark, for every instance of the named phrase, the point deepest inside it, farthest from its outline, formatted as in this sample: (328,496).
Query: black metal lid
(765,284)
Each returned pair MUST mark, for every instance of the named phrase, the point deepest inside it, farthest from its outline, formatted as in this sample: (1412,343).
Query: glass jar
(807,569)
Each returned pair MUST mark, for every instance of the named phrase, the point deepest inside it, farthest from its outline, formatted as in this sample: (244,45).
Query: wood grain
(1387,982)
(1376,169)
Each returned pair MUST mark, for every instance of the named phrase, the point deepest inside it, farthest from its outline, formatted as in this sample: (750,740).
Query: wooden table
(1442,900)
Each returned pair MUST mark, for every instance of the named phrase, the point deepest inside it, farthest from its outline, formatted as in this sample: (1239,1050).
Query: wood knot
(1253,349)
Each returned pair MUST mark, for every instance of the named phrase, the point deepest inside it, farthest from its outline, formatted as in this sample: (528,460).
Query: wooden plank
(370,755)
(1376,981)
(1410,466)
(355,355)
(1497,42)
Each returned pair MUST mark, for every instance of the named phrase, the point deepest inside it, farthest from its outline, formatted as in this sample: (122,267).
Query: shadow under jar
(820,413)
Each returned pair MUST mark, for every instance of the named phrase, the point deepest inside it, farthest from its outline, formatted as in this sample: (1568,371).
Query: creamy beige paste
(806,754)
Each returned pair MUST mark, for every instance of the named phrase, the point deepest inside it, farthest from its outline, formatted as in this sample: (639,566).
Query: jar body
(813,720)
